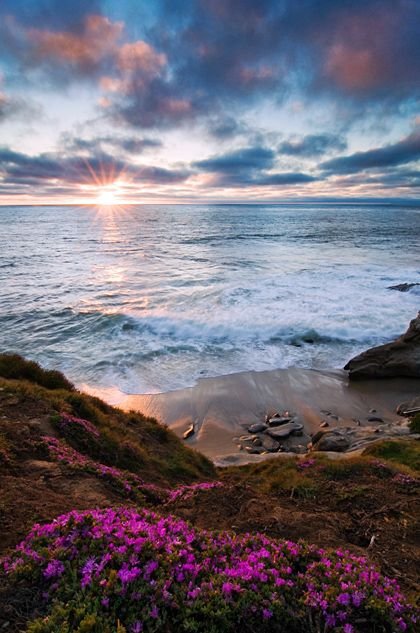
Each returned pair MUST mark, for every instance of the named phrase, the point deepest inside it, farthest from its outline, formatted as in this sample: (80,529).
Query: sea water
(150,298)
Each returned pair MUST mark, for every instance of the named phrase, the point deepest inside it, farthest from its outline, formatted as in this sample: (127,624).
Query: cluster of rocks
(268,436)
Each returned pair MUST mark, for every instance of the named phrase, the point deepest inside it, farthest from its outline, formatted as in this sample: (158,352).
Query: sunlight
(106,197)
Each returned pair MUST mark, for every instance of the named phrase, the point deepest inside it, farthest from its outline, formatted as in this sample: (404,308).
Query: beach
(223,408)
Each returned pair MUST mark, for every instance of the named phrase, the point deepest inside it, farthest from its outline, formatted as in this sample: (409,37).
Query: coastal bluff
(398,359)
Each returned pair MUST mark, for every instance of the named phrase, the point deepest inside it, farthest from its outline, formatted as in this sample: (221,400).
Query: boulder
(258,427)
(331,441)
(269,444)
(401,358)
(281,432)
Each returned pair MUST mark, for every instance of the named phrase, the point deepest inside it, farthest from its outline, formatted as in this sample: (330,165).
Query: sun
(106,197)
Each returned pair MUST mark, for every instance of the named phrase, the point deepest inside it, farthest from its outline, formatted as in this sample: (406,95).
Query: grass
(401,452)
(130,441)
(273,476)
(16,367)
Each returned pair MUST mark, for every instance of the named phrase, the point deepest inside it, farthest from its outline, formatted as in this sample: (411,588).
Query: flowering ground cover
(127,483)
(128,571)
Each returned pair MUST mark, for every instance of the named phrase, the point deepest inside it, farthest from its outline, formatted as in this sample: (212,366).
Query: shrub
(13,366)
(100,569)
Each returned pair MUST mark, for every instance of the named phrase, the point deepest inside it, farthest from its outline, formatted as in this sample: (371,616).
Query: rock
(372,410)
(401,358)
(374,418)
(257,441)
(254,450)
(269,444)
(299,449)
(279,420)
(324,424)
(188,432)
(317,436)
(258,427)
(284,431)
(409,408)
(403,287)
(331,441)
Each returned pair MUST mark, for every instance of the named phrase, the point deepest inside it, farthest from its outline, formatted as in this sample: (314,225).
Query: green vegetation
(130,441)
(415,424)
(15,367)
(401,452)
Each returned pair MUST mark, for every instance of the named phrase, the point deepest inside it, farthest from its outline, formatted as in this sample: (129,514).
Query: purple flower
(343,598)
(53,569)
(154,613)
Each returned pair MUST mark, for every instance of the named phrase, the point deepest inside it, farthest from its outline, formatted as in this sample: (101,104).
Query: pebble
(189,432)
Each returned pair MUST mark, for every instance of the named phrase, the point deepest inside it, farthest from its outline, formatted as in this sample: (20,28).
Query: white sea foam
(165,295)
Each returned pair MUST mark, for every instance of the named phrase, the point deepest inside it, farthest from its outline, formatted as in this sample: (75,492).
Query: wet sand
(223,408)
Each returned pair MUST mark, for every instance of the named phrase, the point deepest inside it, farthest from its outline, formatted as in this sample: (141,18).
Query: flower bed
(119,569)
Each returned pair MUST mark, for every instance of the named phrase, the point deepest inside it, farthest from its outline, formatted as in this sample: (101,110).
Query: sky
(115,101)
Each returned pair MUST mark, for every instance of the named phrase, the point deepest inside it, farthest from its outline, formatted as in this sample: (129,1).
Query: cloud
(129,145)
(83,51)
(312,145)
(225,127)
(52,170)
(249,167)
(405,151)
(16,108)
(202,59)
(140,57)
(245,159)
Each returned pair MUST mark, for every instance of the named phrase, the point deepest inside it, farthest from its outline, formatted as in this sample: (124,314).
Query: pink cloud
(87,49)
(140,57)
(360,56)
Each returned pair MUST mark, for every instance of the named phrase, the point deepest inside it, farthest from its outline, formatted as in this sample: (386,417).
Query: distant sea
(151,298)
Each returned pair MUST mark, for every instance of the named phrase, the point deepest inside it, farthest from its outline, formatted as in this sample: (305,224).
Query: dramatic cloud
(187,83)
(248,167)
(312,145)
(53,169)
(400,153)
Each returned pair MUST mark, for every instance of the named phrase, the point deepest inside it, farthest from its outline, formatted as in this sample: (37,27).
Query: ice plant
(151,573)
(129,484)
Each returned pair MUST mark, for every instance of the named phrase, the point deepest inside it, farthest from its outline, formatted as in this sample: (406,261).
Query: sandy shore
(223,408)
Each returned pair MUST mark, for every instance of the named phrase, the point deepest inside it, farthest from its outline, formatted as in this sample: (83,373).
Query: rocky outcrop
(403,287)
(401,358)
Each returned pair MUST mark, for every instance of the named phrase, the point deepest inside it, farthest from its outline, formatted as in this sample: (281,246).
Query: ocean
(151,298)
